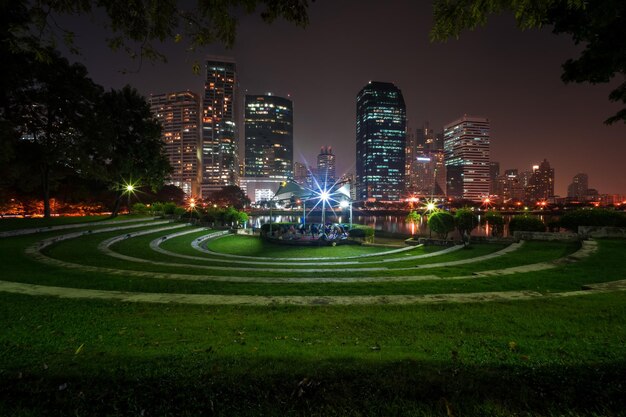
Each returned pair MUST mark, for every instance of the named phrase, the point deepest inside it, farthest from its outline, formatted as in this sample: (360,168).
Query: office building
(380,142)
(220,164)
(269,137)
(577,190)
(541,185)
(179,115)
(466,148)
(326,168)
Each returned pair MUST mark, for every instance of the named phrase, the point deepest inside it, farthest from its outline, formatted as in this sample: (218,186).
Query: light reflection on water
(389,223)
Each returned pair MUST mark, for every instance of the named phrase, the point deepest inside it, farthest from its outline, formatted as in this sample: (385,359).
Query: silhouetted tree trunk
(45,190)
(118,203)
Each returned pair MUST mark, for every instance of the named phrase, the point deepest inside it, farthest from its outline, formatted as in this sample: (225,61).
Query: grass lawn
(559,357)
(28,223)
(562,356)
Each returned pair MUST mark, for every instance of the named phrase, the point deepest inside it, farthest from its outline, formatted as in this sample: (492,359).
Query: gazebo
(326,196)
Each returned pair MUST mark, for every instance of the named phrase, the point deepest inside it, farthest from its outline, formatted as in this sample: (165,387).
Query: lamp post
(345,204)
(324,196)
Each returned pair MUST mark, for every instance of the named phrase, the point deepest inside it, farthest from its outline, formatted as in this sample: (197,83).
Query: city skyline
(500,73)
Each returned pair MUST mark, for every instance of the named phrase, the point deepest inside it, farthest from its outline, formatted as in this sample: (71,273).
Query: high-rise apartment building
(269,136)
(578,188)
(466,148)
(380,142)
(326,168)
(179,115)
(220,165)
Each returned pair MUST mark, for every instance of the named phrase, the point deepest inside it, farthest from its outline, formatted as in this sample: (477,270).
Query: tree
(599,25)
(172,193)
(465,221)
(136,26)
(230,195)
(441,222)
(50,109)
(128,149)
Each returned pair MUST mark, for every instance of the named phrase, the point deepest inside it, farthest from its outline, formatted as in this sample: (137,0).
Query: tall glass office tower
(269,137)
(220,165)
(380,142)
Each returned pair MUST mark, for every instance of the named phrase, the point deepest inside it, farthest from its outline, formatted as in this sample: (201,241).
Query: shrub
(496,222)
(169,208)
(526,223)
(363,232)
(593,217)
(156,208)
(139,208)
(179,211)
(442,223)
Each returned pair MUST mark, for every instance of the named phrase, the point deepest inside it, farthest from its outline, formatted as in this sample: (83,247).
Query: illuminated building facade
(466,149)
(179,115)
(380,142)
(429,173)
(326,167)
(269,136)
(541,185)
(425,171)
(220,165)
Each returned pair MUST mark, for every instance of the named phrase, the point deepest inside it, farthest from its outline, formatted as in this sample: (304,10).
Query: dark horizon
(499,72)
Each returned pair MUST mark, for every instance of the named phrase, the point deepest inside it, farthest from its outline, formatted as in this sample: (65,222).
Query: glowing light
(192,204)
(130,188)
(324,195)
(344,204)
(430,206)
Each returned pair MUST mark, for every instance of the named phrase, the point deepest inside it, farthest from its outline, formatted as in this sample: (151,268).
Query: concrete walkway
(22,232)
(155,245)
(35,252)
(214,299)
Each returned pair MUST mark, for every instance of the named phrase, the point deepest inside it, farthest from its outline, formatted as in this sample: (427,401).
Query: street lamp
(324,197)
(345,204)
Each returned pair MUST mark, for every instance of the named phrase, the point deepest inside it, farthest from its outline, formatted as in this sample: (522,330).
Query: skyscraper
(326,171)
(380,142)
(494,173)
(425,172)
(466,148)
(179,114)
(269,136)
(578,188)
(542,182)
(220,165)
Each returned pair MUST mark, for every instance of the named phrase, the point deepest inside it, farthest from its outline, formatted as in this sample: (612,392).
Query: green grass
(540,358)
(253,246)
(545,357)
(7,224)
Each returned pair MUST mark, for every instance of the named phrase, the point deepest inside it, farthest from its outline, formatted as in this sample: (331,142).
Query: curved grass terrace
(95,326)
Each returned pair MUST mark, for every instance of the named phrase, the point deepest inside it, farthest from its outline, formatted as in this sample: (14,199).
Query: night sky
(509,76)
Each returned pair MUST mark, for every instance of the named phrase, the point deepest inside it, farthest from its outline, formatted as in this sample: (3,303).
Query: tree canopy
(600,26)
(137,27)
